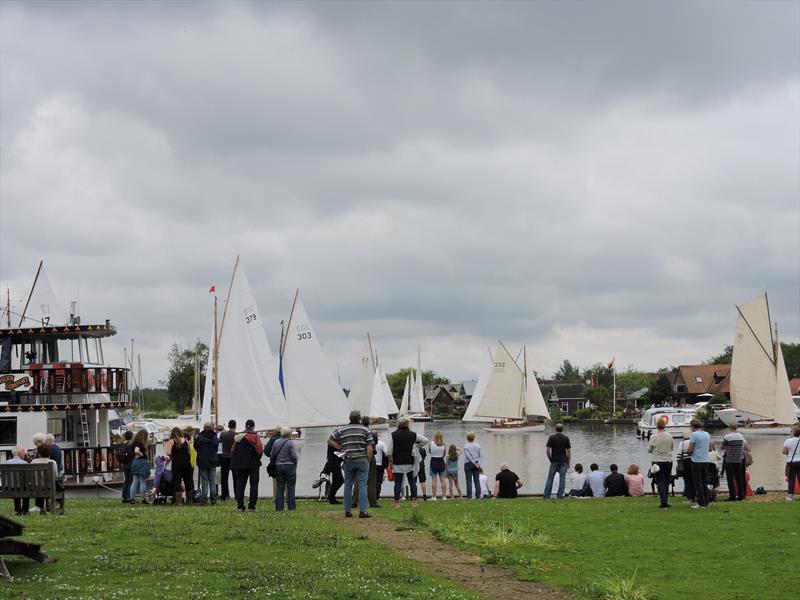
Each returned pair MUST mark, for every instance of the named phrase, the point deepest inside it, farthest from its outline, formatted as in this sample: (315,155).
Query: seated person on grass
(595,481)
(615,483)
(506,483)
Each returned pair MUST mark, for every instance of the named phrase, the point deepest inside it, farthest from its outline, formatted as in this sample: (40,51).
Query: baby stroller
(163,490)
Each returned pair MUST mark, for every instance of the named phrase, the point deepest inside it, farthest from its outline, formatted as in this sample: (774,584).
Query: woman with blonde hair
(438,468)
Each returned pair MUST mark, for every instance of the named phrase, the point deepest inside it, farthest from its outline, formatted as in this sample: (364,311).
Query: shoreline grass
(109,550)
(620,548)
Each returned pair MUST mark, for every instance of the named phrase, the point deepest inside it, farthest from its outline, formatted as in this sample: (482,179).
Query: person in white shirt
(380,453)
(791,448)
(577,479)
(484,481)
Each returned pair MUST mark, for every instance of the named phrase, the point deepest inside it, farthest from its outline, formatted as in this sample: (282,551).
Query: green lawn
(108,550)
(730,550)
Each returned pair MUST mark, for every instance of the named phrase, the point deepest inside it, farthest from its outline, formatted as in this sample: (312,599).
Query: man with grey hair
(206,444)
(21,505)
(55,452)
(356,442)
(400,450)
(698,450)
(284,456)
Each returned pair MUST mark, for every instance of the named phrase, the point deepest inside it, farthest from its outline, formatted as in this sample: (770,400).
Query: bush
(585,413)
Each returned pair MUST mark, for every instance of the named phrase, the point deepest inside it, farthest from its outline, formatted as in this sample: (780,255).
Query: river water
(525,454)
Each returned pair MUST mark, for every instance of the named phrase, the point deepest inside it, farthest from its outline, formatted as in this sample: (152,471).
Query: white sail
(313,395)
(419,406)
(406,396)
(248,372)
(377,399)
(477,395)
(534,401)
(753,365)
(785,412)
(361,392)
(208,388)
(504,396)
(391,405)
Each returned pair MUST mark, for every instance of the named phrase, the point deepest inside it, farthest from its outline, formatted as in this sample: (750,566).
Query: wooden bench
(31,481)
(10,529)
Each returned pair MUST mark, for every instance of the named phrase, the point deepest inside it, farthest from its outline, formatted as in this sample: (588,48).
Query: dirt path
(461,567)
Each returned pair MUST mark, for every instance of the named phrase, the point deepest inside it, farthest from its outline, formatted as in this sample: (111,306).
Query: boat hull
(516,428)
(752,424)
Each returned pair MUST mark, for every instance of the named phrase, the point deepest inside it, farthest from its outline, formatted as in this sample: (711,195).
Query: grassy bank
(604,547)
(107,550)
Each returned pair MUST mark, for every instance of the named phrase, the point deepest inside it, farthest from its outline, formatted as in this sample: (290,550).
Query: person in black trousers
(246,462)
(334,468)
(226,438)
(177,451)
(127,465)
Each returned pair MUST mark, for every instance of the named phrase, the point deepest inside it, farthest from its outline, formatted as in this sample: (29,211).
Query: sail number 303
(303,332)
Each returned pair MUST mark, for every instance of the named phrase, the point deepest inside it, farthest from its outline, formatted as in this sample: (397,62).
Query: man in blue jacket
(206,445)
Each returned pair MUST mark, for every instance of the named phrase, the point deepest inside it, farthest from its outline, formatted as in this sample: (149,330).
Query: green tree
(722,359)
(568,372)
(791,356)
(397,380)
(180,379)
(631,381)
(660,392)
(600,397)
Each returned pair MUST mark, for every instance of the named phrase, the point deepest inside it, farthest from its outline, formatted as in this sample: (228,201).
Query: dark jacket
(227,438)
(206,445)
(140,467)
(616,485)
(403,441)
(247,451)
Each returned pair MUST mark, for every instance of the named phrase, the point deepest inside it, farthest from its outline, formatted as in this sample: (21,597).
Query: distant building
(690,381)
(567,397)
(444,394)
(794,385)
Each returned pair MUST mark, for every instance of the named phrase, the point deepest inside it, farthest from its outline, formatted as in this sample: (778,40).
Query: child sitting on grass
(452,470)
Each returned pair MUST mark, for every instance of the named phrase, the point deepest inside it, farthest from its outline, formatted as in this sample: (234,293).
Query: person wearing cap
(506,483)
(355,441)
(698,450)
(246,456)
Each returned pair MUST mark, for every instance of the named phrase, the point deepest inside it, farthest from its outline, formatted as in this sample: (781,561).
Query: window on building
(55,425)
(579,405)
(8,431)
(564,408)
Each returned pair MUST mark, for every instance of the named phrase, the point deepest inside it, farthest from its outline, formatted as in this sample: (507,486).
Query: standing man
(559,451)
(699,447)
(127,464)
(206,445)
(226,438)
(380,457)
(735,447)
(245,462)
(55,452)
(356,442)
(400,451)
(660,446)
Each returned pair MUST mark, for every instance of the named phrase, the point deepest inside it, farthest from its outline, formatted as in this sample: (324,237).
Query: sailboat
(512,396)
(391,405)
(244,370)
(366,395)
(760,394)
(404,403)
(313,396)
(477,395)
(417,399)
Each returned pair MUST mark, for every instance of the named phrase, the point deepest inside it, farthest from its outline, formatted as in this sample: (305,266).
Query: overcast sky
(589,179)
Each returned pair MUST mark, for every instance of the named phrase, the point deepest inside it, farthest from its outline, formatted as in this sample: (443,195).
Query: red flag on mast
(212,289)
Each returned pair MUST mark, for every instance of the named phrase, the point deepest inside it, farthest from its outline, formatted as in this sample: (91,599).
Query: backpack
(126,455)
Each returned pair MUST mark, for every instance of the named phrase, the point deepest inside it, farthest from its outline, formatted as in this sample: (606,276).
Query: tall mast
(525,382)
(33,287)
(214,374)
(8,306)
(141,392)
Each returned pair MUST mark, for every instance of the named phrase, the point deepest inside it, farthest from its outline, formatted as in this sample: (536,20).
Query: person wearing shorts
(452,470)
(438,465)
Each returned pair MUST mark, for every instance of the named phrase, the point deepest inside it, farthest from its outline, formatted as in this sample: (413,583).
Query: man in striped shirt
(735,447)
(355,441)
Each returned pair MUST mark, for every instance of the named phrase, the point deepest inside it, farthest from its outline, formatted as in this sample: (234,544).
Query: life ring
(664,418)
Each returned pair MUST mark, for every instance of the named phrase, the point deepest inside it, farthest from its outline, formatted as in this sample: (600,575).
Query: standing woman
(178,454)
(284,455)
(140,468)
(473,458)
(660,446)
(438,466)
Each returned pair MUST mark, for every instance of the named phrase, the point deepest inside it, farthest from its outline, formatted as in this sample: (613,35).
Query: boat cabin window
(91,351)
(8,431)
(43,352)
(678,418)
(55,425)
